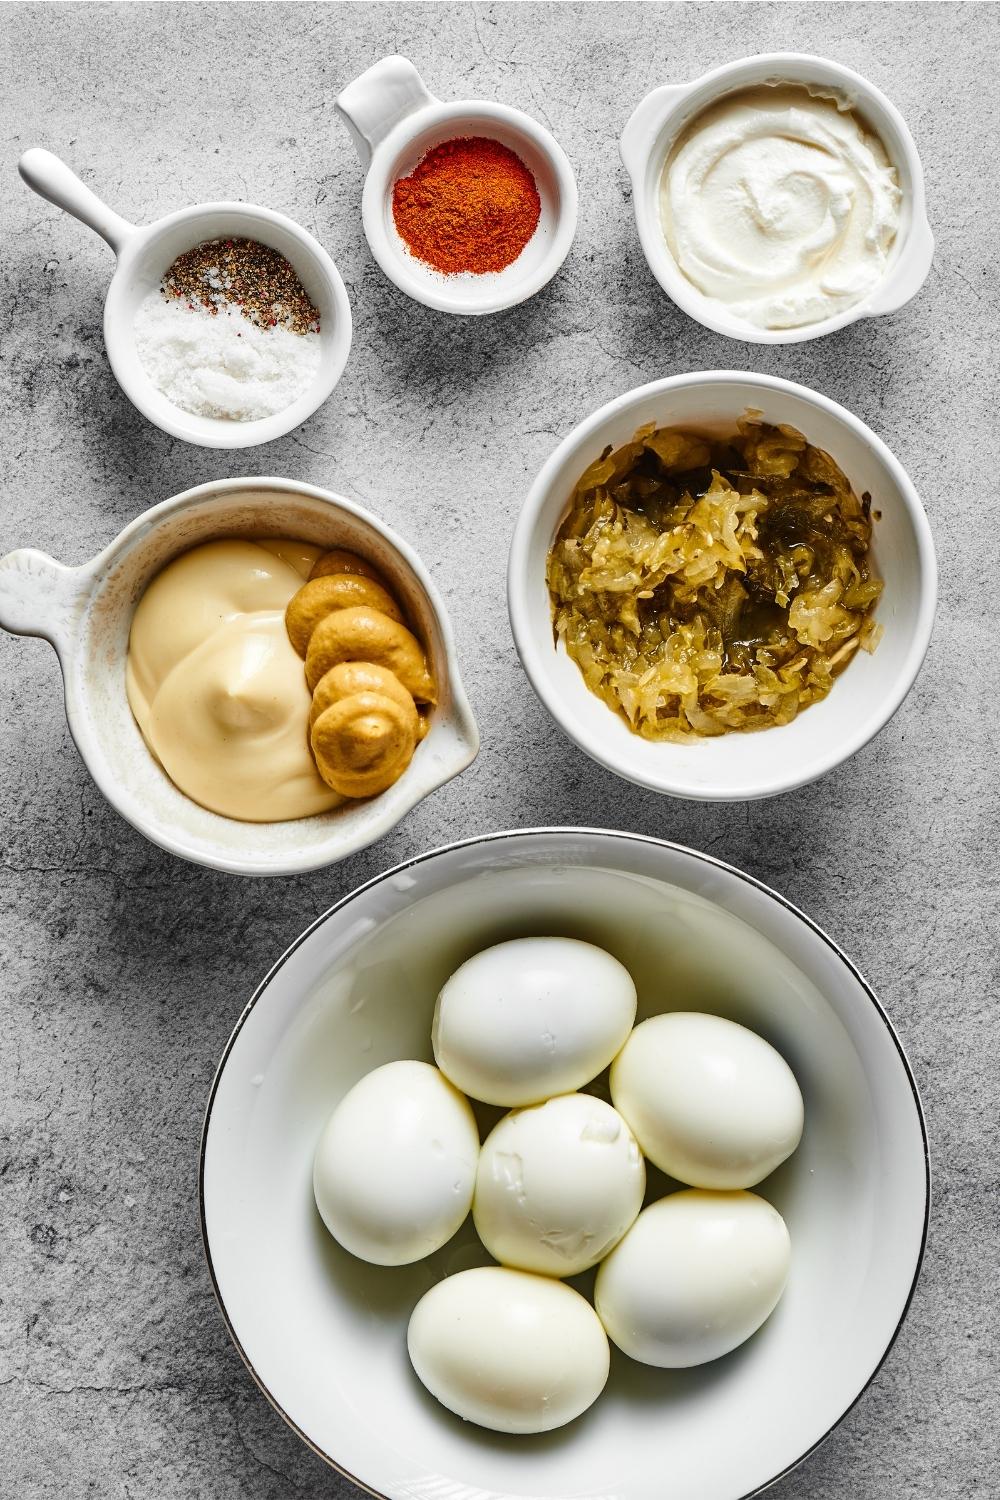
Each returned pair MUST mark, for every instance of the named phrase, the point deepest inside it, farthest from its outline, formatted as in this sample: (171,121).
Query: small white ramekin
(394,121)
(733,767)
(144,254)
(86,614)
(661,117)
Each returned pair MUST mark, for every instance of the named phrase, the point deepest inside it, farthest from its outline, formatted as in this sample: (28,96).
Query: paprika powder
(470,204)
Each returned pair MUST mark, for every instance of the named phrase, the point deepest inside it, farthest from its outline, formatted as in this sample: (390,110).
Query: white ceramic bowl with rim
(733,767)
(144,255)
(86,614)
(661,117)
(324,1334)
(394,121)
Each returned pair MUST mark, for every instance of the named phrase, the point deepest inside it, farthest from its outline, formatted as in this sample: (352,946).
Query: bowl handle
(643,123)
(383,95)
(51,178)
(39,596)
(910,274)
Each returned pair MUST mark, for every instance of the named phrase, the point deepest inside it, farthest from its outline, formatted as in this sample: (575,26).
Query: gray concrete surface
(123,970)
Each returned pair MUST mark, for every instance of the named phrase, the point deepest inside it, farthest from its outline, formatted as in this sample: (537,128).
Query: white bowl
(660,118)
(144,255)
(394,121)
(324,1334)
(733,767)
(86,613)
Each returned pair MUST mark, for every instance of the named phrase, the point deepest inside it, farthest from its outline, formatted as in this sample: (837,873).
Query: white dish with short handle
(86,614)
(394,120)
(661,117)
(145,252)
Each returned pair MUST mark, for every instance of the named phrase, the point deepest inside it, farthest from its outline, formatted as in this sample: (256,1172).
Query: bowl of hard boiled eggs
(545,1160)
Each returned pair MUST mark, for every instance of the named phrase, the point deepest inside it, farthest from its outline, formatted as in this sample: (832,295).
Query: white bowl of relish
(733,767)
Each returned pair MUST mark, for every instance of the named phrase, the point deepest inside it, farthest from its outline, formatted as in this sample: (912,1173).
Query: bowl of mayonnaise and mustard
(260,676)
(778,198)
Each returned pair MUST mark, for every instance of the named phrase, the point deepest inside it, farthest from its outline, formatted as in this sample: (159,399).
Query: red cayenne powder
(470,205)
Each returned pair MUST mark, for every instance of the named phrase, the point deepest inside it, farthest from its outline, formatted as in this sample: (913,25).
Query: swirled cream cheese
(779,203)
(216,686)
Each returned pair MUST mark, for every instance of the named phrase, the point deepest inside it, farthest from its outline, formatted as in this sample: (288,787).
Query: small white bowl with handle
(145,253)
(736,766)
(394,120)
(86,614)
(661,117)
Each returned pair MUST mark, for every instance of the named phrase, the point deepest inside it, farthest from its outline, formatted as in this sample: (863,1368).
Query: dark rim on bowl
(554,831)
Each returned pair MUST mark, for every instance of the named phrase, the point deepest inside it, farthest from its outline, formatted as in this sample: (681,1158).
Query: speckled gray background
(123,970)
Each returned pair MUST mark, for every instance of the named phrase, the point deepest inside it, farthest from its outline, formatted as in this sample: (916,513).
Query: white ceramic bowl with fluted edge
(733,767)
(394,121)
(324,1335)
(145,252)
(660,118)
(86,614)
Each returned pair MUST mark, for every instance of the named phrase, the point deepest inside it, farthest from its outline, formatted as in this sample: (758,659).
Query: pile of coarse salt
(220,364)
(230,333)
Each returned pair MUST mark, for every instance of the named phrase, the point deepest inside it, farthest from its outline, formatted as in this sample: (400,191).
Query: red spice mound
(470,205)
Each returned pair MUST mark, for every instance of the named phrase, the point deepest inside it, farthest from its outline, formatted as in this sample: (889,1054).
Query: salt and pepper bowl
(144,254)
(394,121)
(659,119)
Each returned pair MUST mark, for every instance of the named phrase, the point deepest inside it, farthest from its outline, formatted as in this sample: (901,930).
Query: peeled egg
(558,1184)
(395,1168)
(710,1102)
(507,1350)
(531,1018)
(693,1278)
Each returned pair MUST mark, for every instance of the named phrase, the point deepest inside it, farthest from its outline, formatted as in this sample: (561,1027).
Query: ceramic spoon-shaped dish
(145,252)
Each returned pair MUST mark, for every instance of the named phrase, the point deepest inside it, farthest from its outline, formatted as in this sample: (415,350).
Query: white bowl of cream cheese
(778,198)
(86,613)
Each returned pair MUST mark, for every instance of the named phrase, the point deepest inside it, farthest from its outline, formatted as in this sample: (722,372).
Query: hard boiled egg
(532,1018)
(558,1184)
(694,1277)
(509,1351)
(710,1102)
(395,1167)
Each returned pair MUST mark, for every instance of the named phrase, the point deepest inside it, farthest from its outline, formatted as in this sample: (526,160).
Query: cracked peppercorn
(245,274)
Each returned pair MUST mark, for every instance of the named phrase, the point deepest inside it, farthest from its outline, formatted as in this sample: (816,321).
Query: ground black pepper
(245,274)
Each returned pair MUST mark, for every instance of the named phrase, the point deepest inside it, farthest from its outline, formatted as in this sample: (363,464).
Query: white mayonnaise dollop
(779,203)
(216,686)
